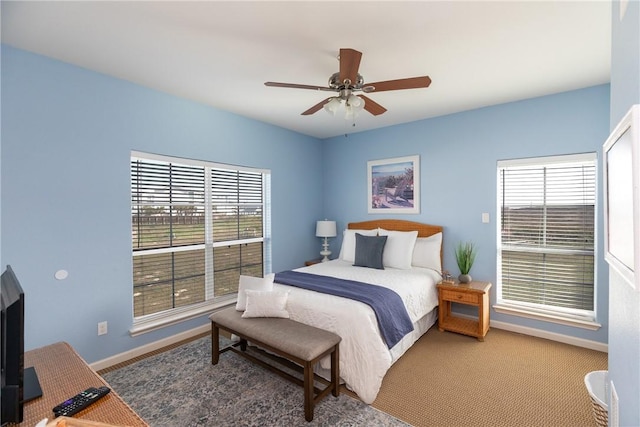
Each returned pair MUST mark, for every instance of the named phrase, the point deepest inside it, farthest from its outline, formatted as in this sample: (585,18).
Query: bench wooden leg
(215,344)
(335,370)
(308,391)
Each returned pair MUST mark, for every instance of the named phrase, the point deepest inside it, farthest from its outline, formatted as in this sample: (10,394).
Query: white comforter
(364,356)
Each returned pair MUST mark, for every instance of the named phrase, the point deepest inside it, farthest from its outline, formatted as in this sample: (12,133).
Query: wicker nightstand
(474,293)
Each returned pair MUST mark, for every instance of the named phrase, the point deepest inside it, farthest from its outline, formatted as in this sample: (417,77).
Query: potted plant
(465,256)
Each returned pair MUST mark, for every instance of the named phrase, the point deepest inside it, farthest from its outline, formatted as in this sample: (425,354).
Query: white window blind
(546,240)
(196,226)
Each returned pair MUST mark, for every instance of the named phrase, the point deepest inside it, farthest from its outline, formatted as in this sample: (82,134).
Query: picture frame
(393,185)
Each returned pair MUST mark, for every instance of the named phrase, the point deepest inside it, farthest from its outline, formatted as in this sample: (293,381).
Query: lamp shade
(356,102)
(326,229)
(332,106)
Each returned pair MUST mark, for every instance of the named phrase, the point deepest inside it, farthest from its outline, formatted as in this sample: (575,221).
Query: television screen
(19,385)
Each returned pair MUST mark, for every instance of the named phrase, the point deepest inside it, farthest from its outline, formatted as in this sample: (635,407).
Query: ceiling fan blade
(410,83)
(371,106)
(297,86)
(316,107)
(349,64)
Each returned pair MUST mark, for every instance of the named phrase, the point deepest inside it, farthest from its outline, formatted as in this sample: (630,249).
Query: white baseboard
(147,348)
(579,342)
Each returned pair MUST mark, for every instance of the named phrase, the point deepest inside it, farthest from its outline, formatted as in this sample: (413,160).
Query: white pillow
(426,252)
(348,248)
(399,248)
(252,283)
(266,304)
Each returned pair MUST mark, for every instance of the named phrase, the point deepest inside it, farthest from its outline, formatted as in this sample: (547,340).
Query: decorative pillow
(266,304)
(369,251)
(426,252)
(252,283)
(399,248)
(348,248)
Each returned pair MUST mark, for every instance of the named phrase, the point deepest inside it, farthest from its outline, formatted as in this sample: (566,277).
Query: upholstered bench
(299,343)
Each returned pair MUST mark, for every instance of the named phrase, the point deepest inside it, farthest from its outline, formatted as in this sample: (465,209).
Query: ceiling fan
(348,81)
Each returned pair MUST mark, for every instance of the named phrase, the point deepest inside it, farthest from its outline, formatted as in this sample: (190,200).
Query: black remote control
(80,401)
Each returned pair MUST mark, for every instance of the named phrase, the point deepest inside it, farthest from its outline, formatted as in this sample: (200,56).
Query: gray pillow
(369,251)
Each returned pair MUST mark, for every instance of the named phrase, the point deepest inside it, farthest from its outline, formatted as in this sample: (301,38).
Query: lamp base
(325,252)
(325,255)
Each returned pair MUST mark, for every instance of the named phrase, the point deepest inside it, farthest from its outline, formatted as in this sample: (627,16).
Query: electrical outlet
(102,328)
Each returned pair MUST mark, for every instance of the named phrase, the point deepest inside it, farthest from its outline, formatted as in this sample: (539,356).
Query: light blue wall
(67,134)
(66,140)
(625,59)
(624,334)
(458,155)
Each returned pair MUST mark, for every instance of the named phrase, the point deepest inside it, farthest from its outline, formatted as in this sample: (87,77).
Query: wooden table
(63,374)
(474,293)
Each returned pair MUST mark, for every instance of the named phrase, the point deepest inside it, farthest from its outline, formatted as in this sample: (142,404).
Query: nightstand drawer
(463,297)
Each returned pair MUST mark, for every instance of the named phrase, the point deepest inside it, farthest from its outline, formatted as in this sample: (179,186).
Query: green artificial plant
(465,256)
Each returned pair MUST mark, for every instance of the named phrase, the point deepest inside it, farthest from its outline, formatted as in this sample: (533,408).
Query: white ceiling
(477,53)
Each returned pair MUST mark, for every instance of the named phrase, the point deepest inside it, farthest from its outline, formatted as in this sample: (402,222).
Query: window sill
(547,317)
(175,316)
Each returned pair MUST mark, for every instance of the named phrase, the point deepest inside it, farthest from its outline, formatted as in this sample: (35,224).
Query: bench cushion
(297,339)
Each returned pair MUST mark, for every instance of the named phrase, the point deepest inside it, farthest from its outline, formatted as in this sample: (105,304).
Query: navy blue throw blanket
(393,319)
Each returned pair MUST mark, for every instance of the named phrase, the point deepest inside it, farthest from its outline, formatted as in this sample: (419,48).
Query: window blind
(196,226)
(547,233)
(237,194)
(167,202)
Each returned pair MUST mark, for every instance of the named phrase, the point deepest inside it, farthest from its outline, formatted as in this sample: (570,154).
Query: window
(546,210)
(196,226)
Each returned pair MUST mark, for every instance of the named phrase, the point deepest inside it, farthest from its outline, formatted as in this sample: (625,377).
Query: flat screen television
(622,197)
(19,385)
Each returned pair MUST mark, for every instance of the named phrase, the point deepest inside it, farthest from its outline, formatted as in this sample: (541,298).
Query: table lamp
(325,229)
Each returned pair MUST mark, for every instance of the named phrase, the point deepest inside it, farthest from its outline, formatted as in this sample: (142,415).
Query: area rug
(180,387)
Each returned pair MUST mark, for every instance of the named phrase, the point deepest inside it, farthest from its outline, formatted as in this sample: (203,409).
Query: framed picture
(394,185)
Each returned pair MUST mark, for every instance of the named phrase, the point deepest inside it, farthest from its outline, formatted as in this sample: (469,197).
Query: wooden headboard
(424,230)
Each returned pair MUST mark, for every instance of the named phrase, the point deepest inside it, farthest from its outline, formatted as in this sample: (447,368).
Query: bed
(365,356)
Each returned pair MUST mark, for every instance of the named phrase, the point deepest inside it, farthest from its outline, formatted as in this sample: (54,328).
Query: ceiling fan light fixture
(332,106)
(353,105)
(350,113)
(355,102)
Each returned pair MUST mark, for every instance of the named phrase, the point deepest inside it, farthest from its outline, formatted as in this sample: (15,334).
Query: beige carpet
(447,379)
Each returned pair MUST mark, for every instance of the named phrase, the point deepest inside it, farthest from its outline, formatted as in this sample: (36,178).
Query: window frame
(567,316)
(157,320)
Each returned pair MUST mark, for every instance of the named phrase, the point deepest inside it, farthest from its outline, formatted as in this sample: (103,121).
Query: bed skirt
(419,329)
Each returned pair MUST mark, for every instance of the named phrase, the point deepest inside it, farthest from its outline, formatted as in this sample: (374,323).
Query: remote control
(80,401)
